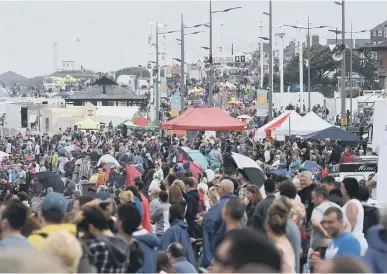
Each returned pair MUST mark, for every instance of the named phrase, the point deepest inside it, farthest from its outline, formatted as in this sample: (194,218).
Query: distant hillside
(10,78)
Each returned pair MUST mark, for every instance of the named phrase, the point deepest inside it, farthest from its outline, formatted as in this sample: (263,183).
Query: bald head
(226,186)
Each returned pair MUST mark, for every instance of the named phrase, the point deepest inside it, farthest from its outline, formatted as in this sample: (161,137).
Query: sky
(108,35)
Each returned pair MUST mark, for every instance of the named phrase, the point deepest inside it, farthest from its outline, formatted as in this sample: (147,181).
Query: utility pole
(211,67)
(350,78)
(182,80)
(343,94)
(270,94)
(308,42)
(157,75)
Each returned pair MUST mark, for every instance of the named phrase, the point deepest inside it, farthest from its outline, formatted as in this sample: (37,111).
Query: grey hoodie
(160,215)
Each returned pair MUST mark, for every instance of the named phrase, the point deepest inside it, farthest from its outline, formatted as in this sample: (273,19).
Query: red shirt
(146,221)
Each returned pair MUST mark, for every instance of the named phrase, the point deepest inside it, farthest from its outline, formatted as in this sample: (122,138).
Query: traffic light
(243,59)
(237,60)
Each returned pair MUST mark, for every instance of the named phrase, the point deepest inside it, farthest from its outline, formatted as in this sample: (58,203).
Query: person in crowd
(307,187)
(215,158)
(110,253)
(175,196)
(276,223)
(66,248)
(154,184)
(213,195)
(193,200)
(343,265)
(143,247)
(214,229)
(342,243)
(203,195)
(102,179)
(78,203)
(163,263)
(175,253)
(335,196)
(146,223)
(228,161)
(178,232)
(375,256)
(354,211)
(233,212)
(13,218)
(371,213)
(241,247)
(160,213)
(319,237)
(261,209)
(51,215)
(243,183)
(253,197)
(137,199)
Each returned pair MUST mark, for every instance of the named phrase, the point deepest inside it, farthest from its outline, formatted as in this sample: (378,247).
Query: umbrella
(3,154)
(253,171)
(310,166)
(198,157)
(183,155)
(131,174)
(140,121)
(62,150)
(51,179)
(244,117)
(195,168)
(71,148)
(108,159)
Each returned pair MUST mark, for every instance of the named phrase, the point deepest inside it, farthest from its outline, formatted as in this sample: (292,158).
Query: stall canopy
(277,122)
(286,127)
(334,133)
(204,119)
(310,123)
(89,124)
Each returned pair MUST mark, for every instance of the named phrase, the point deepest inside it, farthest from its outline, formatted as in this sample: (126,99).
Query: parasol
(253,171)
(199,158)
(140,121)
(71,148)
(310,166)
(107,158)
(51,179)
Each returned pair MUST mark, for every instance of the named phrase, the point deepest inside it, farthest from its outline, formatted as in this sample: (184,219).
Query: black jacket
(336,197)
(260,213)
(371,217)
(306,198)
(192,210)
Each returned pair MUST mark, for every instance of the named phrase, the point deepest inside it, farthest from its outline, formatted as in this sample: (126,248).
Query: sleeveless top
(288,258)
(357,230)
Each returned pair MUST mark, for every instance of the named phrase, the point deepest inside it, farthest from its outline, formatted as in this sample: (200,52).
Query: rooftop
(111,93)
(380,26)
(74,73)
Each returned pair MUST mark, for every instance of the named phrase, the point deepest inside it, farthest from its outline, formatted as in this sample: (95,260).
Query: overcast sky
(115,34)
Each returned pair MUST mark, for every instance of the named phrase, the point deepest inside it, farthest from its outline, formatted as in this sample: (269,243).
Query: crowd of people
(168,219)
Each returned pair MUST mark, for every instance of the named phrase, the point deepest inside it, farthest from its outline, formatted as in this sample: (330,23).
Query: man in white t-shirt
(320,238)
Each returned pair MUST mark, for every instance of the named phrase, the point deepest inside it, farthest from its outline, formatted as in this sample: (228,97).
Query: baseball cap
(54,201)
(102,195)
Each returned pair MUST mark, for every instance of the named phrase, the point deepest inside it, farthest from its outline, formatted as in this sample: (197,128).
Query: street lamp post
(261,55)
(182,80)
(270,91)
(211,76)
(157,75)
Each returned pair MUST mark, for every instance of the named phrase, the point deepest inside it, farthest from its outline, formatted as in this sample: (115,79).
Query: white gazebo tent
(310,123)
(276,123)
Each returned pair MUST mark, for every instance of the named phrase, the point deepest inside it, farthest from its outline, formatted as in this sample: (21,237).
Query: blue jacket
(178,233)
(148,244)
(214,230)
(183,266)
(138,204)
(376,254)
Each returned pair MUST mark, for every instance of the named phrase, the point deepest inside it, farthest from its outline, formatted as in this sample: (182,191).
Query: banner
(262,106)
(175,104)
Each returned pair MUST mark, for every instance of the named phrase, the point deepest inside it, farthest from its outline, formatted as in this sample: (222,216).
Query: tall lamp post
(261,55)
(270,93)
(343,93)
(350,64)
(308,45)
(211,76)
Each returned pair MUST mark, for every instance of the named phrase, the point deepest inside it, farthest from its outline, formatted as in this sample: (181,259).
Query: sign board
(228,59)
(175,104)
(262,106)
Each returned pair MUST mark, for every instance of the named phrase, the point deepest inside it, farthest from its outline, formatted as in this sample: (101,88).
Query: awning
(33,118)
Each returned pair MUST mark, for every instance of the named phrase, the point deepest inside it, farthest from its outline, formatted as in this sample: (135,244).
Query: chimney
(104,89)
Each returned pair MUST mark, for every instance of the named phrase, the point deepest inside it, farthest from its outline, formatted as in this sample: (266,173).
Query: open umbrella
(107,158)
(310,166)
(71,148)
(140,121)
(198,157)
(131,174)
(253,171)
(51,179)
